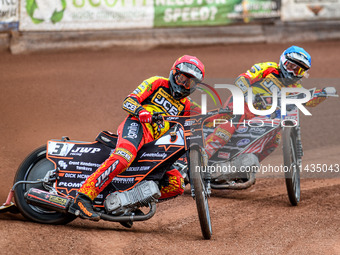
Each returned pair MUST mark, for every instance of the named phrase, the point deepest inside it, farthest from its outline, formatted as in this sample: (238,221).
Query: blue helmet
(294,63)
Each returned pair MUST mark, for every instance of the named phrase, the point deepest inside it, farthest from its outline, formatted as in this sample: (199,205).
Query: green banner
(212,12)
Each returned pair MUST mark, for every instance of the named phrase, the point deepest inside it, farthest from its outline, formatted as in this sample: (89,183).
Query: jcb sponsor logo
(225,135)
(124,153)
(130,105)
(167,103)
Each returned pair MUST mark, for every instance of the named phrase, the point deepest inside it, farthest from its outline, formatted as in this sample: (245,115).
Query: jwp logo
(45,11)
(238,100)
(104,176)
(85,150)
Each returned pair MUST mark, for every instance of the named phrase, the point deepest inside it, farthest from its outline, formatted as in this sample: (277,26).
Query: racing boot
(82,206)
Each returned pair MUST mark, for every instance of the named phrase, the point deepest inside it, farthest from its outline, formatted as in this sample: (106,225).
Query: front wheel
(200,192)
(35,167)
(292,163)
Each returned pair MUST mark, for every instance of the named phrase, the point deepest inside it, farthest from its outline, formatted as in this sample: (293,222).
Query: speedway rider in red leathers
(293,66)
(156,94)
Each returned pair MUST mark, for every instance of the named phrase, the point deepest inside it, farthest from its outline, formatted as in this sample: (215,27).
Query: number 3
(58,148)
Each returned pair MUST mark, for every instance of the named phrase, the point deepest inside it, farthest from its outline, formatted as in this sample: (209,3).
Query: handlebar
(156,116)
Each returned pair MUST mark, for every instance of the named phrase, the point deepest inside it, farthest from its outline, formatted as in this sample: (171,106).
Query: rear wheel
(35,167)
(201,194)
(292,163)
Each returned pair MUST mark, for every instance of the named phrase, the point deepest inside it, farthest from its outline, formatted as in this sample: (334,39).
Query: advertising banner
(298,10)
(9,14)
(64,15)
(212,12)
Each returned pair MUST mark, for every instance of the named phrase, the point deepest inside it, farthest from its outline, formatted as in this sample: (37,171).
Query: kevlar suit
(261,78)
(153,95)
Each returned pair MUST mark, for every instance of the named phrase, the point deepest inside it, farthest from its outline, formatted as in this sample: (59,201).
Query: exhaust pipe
(58,203)
(128,218)
(236,186)
(47,200)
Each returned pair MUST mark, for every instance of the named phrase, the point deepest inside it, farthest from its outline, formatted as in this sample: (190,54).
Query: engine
(142,194)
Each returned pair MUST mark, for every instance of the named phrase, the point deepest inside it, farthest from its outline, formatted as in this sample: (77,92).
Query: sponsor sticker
(78,151)
(70,175)
(70,185)
(124,153)
(142,88)
(124,180)
(84,168)
(243,142)
(172,118)
(133,129)
(137,168)
(59,149)
(130,105)
(216,144)
(153,155)
(223,154)
(257,130)
(241,83)
(58,200)
(62,164)
(224,134)
(189,122)
(242,129)
(104,176)
(167,103)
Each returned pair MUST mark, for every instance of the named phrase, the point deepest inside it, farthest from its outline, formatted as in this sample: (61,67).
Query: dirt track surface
(78,94)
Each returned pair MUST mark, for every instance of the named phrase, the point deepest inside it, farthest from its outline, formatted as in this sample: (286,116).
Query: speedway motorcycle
(247,143)
(47,180)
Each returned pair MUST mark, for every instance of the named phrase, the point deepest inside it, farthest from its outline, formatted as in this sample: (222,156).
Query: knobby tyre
(35,167)
(201,196)
(291,162)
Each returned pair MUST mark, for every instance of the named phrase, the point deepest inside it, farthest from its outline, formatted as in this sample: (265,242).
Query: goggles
(185,81)
(294,68)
